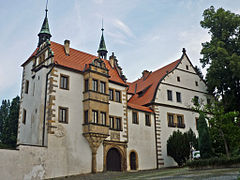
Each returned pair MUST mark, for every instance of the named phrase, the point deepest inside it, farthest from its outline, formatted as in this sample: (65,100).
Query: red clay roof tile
(144,89)
(138,107)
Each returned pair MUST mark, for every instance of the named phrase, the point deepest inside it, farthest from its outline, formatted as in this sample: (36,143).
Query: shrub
(213,162)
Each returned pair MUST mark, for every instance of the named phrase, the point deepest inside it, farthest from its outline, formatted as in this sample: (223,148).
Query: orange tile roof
(139,107)
(77,60)
(144,89)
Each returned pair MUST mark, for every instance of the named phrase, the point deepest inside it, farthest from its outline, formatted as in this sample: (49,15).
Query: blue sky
(144,34)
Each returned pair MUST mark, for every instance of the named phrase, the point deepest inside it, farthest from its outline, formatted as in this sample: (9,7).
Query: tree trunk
(225,143)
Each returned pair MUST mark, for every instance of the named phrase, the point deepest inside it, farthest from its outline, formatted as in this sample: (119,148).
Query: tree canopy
(222,55)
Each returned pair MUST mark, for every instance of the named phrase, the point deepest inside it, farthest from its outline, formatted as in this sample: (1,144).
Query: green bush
(213,162)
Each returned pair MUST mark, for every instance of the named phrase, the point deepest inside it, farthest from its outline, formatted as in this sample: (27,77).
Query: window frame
(180,124)
(26,87)
(170,121)
(118,123)
(135,121)
(147,120)
(178,97)
(116,96)
(24,116)
(62,82)
(102,87)
(95,117)
(111,96)
(178,79)
(103,120)
(95,85)
(63,109)
(111,124)
(169,95)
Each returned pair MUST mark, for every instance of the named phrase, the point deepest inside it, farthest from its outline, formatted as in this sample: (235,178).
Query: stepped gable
(144,89)
(77,61)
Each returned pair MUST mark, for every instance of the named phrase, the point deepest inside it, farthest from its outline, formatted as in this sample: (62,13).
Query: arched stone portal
(114,160)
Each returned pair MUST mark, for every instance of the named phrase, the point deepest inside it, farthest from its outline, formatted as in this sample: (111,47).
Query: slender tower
(102,50)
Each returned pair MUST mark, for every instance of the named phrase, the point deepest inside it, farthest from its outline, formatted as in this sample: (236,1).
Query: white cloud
(123,27)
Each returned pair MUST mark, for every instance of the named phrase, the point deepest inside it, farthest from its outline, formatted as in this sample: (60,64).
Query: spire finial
(184,51)
(46,8)
(102,25)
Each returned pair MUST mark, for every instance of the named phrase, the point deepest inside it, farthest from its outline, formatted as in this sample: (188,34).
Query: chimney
(112,59)
(67,47)
(145,74)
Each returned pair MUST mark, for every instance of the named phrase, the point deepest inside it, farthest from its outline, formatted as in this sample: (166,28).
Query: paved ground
(163,174)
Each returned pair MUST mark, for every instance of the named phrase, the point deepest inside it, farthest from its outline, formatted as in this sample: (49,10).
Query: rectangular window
(64,82)
(102,87)
(178,79)
(196,100)
(111,94)
(171,120)
(63,115)
(118,123)
(86,85)
(187,67)
(147,120)
(103,118)
(26,86)
(135,117)
(196,83)
(169,95)
(111,122)
(94,85)
(118,96)
(24,116)
(178,95)
(180,122)
(94,116)
(86,117)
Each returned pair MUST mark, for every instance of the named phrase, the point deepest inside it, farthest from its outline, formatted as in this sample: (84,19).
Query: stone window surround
(114,95)
(115,123)
(169,95)
(62,86)
(137,120)
(175,120)
(66,115)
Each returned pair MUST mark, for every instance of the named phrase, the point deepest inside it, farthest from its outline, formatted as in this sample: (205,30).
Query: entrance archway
(113,160)
(133,161)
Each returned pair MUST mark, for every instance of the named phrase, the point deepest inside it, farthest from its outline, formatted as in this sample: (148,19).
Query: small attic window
(196,83)
(178,78)
(186,67)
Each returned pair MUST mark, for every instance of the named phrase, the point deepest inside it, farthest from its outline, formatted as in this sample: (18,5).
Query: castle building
(85,117)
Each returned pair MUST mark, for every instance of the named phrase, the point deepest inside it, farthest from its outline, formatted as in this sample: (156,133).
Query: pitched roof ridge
(76,49)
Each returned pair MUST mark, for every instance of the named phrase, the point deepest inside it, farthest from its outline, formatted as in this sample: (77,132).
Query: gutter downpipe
(45,104)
